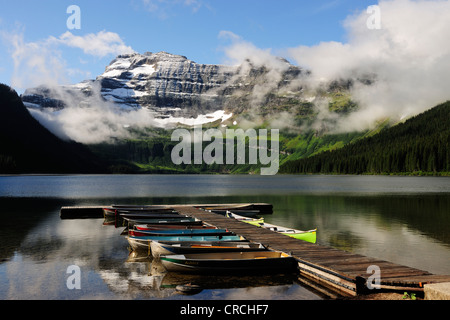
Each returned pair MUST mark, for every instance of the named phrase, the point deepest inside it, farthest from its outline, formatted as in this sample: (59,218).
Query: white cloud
(91,119)
(247,56)
(101,44)
(34,62)
(409,57)
(42,62)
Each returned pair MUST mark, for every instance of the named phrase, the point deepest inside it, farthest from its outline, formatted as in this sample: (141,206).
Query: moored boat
(113,211)
(171,226)
(244,213)
(160,248)
(164,221)
(253,221)
(229,262)
(178,232)
(149,215)
(140,207)
(308,235)
(143,243)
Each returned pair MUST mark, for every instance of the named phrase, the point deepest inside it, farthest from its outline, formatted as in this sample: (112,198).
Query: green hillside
(420,145)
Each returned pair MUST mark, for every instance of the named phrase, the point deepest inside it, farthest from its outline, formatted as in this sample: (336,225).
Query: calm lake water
(405,220)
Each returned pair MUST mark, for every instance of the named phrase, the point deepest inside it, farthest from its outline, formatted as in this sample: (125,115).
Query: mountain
(174,88)
(27,147)
(166,84)
(419,145)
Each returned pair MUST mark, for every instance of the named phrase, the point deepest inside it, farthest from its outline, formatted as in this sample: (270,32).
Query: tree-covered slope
(27,147)
(419,145)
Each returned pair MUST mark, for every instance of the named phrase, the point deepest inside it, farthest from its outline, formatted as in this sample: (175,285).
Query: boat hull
(252,221)
(180,232)
(173,221)
(309,235)
(144,227)
(149,215)
(229,262)
(159,248)
(143,243)
(113,211)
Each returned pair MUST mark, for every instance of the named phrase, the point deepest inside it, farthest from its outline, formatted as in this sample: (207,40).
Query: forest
(420,145)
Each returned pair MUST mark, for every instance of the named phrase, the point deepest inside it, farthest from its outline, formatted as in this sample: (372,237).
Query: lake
(404,220)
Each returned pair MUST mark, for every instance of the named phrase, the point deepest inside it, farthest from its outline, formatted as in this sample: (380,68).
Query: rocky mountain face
(173,86)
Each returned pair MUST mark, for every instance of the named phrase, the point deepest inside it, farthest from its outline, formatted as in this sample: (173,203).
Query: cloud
(247,56)
(89,118)
(408,58)
(42,62)
(35,62)
(100,45)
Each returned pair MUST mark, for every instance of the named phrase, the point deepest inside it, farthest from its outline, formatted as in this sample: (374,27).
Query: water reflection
(37,247)
(36,263)
(151,275)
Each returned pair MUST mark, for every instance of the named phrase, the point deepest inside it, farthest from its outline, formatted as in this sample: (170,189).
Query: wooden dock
(327,269)
(336,270)
(96,212)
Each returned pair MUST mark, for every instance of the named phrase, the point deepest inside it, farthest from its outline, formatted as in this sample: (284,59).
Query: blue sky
(186,27)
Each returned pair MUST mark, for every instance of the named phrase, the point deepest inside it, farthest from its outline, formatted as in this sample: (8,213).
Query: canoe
(113,211)
(244,213)
(165,221)
(149,215)
(161,248)
(143,243)
(179,232)
(252,221)
(229,262)
(171,226)
(308,235)
(190,238)
(129,223)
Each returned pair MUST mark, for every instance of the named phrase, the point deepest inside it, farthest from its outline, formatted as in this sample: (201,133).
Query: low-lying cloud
(91,119)
(406,59)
